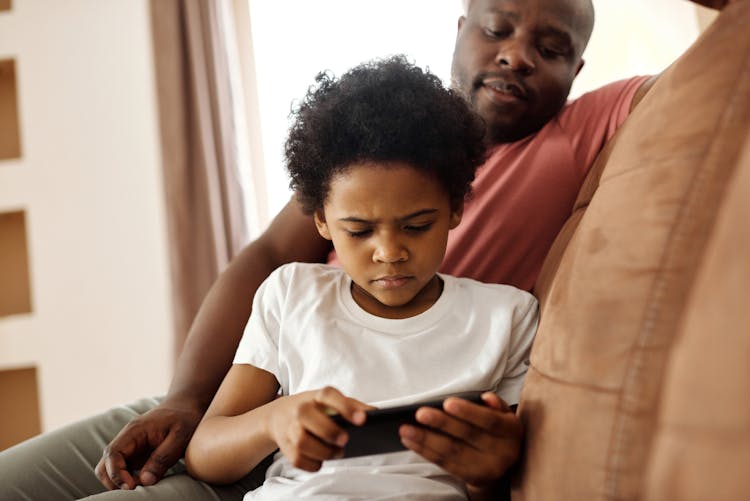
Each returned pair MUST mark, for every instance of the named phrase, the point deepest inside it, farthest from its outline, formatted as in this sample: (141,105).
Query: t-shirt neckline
(416,323)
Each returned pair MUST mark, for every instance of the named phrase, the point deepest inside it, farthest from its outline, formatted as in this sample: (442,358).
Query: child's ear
(457,212)
(321,225)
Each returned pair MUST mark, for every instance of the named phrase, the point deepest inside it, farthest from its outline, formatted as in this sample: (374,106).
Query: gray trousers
(59,465)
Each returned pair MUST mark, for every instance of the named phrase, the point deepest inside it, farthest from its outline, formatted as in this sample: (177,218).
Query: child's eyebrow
(421,212)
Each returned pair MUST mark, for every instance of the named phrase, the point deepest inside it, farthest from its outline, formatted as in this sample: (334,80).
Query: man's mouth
(503,87)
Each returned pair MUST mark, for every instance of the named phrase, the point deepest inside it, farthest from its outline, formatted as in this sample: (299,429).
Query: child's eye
(418,228)
(358,234)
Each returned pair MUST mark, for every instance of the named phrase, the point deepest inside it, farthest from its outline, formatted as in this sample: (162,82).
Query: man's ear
(461,21)
(321,225)
(457,213)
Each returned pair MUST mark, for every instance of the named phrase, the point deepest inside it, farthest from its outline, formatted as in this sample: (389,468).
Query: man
(515,61)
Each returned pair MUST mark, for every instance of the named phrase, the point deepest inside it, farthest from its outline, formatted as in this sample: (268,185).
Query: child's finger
(492,400)
(309,446)
(313,419)
(449,426)
(331,399)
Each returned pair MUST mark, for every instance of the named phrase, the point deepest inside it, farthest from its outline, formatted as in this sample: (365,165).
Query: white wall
(90,182)
(636,37)
(295,39)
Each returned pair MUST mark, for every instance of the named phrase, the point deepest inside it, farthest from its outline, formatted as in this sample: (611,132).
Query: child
(383,159)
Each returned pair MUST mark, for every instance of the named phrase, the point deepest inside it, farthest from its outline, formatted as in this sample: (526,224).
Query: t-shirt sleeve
(259,345)
(525,320)
(592,119)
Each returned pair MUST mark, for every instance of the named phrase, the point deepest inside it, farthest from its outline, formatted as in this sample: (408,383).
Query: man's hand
(476,443)
(147,447)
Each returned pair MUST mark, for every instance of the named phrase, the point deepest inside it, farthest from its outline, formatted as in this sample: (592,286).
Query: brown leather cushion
(615,287)
(701,447)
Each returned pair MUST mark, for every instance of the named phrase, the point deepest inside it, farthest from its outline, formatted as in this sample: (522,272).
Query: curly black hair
(382,111)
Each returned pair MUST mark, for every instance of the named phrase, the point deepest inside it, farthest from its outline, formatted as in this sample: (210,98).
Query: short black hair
(383,111)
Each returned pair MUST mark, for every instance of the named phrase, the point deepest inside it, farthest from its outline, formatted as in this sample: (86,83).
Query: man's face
(515,61)
(389,224)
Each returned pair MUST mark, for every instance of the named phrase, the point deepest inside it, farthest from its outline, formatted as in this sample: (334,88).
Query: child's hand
(302,427)
(477,443)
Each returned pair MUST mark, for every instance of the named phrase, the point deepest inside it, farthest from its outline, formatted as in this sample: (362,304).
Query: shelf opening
(10,137)
(20,399)
(15,286)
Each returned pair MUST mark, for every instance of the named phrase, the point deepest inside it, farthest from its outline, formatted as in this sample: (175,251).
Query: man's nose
(515,54)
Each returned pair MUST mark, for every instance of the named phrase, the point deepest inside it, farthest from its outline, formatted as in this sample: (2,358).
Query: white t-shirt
(308,331)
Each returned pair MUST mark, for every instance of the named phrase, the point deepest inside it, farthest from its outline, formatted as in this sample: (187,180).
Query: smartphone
(379,434)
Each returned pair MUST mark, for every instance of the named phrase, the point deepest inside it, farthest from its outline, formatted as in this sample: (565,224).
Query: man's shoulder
(586,123)
(607,99)
(611,89)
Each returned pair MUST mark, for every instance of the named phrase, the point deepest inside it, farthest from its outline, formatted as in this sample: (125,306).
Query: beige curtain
(204,203)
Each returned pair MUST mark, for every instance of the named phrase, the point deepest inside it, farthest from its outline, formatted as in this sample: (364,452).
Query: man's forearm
(218,326)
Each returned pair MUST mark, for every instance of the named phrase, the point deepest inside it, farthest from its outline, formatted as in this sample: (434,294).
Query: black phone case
(379,434)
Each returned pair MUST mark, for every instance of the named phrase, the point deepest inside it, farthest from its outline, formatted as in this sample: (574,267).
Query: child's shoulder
(488,293)
(305,272)
(300,282)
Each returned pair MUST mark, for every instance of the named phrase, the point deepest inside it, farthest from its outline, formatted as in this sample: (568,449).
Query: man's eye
(549,52)
(496,33)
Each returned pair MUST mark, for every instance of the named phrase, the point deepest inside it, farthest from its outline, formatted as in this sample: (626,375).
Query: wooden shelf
(15,288)
(19,398)
(10,140)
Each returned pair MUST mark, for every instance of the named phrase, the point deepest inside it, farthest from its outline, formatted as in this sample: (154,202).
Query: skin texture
(156,440)
(391,241)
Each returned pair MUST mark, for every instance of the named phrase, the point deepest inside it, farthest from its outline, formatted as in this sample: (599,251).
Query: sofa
(639,379)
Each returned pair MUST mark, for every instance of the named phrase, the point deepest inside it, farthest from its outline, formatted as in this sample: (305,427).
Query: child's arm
(246,422)
(226,445)
(476,443)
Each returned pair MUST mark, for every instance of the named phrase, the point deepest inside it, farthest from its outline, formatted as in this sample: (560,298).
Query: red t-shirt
(525,191)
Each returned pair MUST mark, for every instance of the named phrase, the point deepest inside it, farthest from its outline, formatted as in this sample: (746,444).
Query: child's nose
(390,251)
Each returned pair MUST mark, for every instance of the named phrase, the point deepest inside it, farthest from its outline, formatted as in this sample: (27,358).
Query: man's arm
(221,319)
(160,436)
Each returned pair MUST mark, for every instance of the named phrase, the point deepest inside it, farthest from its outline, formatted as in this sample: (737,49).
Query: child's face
(389,224)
